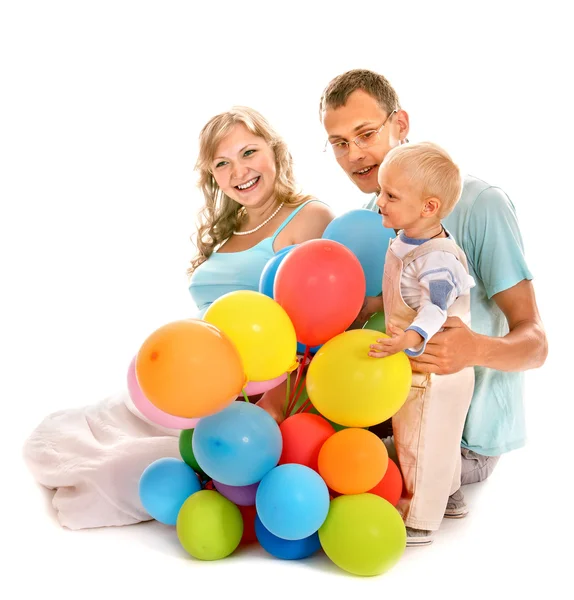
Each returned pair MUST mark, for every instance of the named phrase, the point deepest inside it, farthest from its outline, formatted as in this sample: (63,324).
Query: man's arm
(494,247)
(371,305)
(524,347)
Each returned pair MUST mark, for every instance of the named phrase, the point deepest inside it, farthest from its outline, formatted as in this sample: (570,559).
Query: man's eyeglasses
(364,140)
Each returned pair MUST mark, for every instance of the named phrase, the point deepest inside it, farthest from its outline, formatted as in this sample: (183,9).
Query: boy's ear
(431,207)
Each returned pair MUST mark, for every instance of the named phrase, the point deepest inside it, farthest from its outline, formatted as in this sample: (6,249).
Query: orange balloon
(352,461)
(189,369)
(391,485)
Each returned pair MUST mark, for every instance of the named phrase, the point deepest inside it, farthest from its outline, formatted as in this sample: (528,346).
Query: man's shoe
(456,507)
(418,537)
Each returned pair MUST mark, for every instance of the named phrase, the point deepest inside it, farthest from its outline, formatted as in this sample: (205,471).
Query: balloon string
(292,400)
(301,367)
(286,404)
(304,406)
(245,395)
(299,395)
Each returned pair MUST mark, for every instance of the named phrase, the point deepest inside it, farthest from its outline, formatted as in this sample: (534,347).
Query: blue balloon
(267,278)
(164,486)
(238,445)
(362,231)
(312,350)
(292,501)
(286,549)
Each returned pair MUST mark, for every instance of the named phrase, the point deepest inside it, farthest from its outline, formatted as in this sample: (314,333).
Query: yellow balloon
(353,389)
(261,331)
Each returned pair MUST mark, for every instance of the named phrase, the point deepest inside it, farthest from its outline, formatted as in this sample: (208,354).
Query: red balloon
(391,485)
(321,285)
(248,513)
(303,436)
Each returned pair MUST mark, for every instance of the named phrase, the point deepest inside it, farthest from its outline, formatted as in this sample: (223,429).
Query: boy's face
(400,201)
(361,113)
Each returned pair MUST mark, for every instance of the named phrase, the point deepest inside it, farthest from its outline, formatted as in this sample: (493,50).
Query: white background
(101,104)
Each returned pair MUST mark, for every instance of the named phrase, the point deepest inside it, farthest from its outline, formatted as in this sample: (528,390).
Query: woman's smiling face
(244,167)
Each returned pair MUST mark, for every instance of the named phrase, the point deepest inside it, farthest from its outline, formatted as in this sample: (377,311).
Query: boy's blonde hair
(431,167)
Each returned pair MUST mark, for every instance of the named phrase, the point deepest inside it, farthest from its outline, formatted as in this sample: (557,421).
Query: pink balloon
(259,387)
(149,410)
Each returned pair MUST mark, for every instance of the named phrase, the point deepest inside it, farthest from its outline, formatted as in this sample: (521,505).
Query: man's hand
(448,351)
(371,305)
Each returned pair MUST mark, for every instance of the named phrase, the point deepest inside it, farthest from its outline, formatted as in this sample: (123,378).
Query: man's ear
(431,207)
(402,120)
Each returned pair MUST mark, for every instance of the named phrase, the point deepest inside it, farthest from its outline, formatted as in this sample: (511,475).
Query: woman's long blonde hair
(221,215)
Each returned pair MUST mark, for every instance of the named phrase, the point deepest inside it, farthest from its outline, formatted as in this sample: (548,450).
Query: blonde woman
(93,457)
(252,208)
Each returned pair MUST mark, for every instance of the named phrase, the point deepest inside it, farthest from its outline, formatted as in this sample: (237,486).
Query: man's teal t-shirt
(484,225)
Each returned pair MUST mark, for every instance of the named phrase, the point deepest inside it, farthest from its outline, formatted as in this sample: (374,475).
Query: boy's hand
(400,340)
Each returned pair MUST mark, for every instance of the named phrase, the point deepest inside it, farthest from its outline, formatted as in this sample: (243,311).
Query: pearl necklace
(261,225)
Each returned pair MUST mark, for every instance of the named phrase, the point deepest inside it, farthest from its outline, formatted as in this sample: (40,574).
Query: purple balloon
(241,495)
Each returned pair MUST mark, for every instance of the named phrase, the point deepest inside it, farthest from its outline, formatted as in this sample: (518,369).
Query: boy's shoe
(456,507)
(418,537)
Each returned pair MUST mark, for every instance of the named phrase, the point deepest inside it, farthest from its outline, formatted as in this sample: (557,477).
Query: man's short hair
(341,87)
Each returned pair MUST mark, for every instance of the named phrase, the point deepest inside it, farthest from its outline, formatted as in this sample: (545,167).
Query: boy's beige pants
(428,427)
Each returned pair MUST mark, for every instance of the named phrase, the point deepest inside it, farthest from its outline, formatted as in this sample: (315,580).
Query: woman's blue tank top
(225,272)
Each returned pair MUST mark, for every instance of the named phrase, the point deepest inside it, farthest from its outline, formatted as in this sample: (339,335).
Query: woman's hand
(273,402)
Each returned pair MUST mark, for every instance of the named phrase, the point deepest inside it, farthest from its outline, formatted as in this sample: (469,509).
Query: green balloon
(186,450)
(363,534)
(336,426)
(209,526)
(376,322)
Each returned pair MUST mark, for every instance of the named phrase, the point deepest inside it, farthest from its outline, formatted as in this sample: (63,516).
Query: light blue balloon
(286,549)
(238,445)
(362,232)
(292,501)
(164,486)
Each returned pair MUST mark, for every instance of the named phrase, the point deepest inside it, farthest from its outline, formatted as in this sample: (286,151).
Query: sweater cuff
(418,351)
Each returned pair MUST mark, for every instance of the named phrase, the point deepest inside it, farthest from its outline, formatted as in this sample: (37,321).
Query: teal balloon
(238,445)
(376,322)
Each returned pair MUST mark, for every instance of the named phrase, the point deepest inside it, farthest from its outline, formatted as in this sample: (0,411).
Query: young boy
(425,281)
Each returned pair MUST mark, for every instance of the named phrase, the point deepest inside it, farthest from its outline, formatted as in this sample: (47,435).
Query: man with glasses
(363,119)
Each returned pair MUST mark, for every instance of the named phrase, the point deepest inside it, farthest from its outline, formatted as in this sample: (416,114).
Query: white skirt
(93,458)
